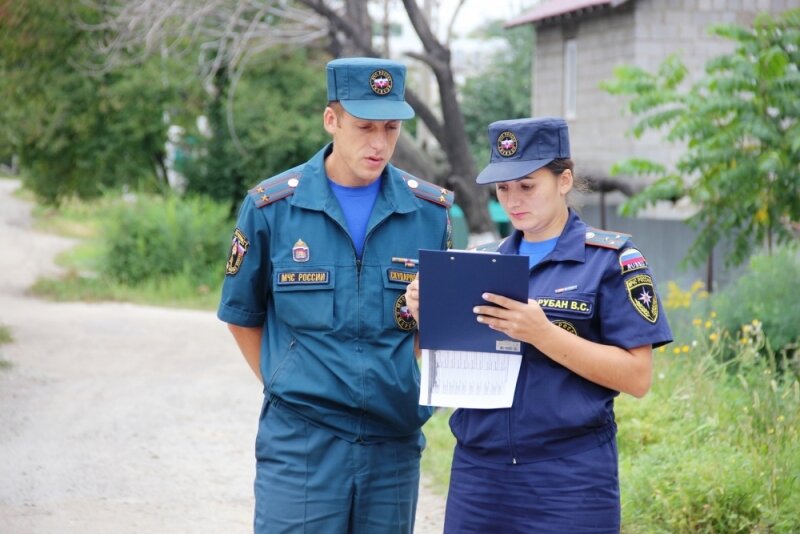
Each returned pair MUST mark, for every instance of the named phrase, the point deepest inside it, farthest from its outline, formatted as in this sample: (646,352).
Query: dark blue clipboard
(451,284)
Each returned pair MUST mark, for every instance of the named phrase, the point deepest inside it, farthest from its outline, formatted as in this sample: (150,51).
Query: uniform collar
(313,191)
(571,244)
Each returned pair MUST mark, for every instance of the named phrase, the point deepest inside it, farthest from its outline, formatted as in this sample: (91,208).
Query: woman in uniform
(548,464)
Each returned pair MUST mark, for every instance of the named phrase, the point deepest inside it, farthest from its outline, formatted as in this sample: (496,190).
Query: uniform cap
(369,88)
(522,146)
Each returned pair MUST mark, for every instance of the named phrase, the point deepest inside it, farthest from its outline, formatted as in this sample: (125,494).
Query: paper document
(464,379)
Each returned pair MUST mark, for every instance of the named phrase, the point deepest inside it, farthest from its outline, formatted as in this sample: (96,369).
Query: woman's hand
(412,298)
(517,320)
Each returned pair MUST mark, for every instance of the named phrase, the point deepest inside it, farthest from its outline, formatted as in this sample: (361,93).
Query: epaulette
(274,188)
(428,191)
(605,238)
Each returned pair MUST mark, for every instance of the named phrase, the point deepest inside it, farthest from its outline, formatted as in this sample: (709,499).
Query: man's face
(361,148)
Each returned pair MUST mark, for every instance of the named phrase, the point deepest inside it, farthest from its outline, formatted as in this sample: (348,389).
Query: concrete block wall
(639,32)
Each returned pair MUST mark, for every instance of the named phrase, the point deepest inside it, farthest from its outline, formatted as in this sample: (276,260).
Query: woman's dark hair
(557,166)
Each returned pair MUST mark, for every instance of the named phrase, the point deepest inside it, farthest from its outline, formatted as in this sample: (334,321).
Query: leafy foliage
(155,237)
(501,91)
(277,118)
(76,133)
(741,127)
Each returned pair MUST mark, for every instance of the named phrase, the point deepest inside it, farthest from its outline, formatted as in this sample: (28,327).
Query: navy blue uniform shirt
(597,287)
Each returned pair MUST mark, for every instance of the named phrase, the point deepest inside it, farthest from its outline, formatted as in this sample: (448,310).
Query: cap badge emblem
(507,144)
(381,82)
(300,251)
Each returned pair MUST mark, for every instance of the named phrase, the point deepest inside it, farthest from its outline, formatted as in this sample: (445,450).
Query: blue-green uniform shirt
(338,340)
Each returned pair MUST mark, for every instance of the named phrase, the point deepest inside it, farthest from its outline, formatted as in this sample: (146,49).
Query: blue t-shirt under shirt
(357,203)
(536,250)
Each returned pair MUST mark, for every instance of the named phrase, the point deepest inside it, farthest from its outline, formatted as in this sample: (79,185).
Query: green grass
(82,280)
(439,450)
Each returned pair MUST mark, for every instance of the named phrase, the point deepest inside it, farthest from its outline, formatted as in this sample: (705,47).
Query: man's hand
(412,299)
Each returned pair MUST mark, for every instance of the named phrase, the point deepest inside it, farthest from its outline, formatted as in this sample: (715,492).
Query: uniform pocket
(395,312)
(304,298)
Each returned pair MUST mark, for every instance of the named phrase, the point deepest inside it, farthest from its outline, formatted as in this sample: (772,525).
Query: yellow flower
(697,322)
(661,349)
(676,350)
(761,215)
(685,348)
(708,324)
(713,336)
(713,314)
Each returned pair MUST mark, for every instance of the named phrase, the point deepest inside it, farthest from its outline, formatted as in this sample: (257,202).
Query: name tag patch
(402,277)
(303,277)
(583,307)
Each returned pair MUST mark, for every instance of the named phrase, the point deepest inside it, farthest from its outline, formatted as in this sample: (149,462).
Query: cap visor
(378,110)
(505,171)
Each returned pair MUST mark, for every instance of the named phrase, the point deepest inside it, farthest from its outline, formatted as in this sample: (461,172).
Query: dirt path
(121,418)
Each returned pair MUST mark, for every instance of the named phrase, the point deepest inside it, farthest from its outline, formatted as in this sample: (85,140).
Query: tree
(230,32)
(76,134)
(502,91)
(741,127)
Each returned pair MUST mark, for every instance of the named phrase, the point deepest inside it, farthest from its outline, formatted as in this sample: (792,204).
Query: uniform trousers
(310,481)
(573,494)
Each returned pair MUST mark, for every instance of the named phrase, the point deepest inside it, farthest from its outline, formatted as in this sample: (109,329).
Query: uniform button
(413,184)
(293,182)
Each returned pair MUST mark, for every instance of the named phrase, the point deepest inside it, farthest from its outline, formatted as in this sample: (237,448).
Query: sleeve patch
(642,294)
(631,260)
(239,246)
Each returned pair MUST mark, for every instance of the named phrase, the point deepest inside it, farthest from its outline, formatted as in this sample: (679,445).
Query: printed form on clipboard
(466,364)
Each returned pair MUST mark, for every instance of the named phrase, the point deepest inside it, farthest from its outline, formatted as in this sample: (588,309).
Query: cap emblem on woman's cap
(381,82)
(507,144)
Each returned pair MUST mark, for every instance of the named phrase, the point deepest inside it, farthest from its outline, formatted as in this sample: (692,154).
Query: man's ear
(329,120)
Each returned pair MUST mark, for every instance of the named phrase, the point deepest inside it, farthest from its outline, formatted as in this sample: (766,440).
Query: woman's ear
(565,181)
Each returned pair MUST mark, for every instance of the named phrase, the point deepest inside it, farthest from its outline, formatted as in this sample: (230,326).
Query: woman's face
(537,203)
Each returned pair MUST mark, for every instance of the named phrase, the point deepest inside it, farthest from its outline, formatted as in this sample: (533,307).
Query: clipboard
(451,284)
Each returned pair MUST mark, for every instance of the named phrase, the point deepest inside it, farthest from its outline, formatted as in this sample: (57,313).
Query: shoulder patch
(274,188)
(605,238)
(429,191)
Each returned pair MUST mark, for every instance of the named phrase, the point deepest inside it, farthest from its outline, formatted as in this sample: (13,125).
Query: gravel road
(121,418)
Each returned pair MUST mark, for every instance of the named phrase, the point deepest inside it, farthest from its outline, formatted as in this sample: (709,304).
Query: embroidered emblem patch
(381,82)
(507,144)
(239,246)
(402,315)
(631,260)
(403,277)
(300,251)
(566,325)
(642,295)
(303,278)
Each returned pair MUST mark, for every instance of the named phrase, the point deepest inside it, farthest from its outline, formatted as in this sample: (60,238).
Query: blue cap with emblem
(522,146)
(369,88)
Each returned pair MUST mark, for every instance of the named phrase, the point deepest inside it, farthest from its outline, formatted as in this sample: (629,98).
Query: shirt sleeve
(247,272)
(631,311)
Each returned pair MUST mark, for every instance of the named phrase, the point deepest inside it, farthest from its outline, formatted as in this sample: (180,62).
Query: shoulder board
(605,238)
(428,191)
(274,188)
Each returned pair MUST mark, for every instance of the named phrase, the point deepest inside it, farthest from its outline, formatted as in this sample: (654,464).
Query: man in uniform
(314,297)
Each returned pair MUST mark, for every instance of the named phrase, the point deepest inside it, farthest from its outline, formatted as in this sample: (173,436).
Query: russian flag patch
(631,260)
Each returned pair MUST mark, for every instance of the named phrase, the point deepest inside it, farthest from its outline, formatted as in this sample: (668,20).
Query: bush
(764,298)
(153,238)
